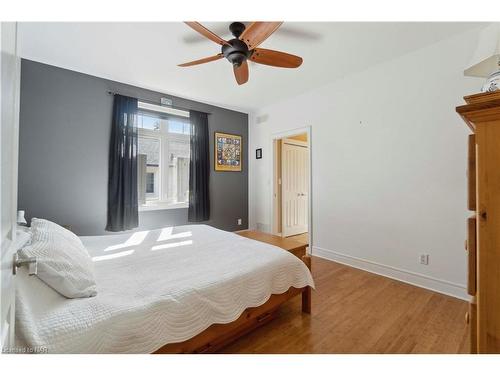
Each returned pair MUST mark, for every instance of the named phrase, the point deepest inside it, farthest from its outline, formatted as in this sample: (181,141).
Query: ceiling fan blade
(241,73)
(203,61)
(206,33)
(257,32)
(275,58)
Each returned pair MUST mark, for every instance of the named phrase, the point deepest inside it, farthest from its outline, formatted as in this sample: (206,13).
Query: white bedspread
(154,288)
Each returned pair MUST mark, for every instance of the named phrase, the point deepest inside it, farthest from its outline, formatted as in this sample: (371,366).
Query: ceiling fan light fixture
(238,60)
(243,46)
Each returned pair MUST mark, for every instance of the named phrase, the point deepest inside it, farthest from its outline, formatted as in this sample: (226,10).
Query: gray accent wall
(65,125)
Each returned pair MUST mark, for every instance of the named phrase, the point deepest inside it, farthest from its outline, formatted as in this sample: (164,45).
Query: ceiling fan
(244,47)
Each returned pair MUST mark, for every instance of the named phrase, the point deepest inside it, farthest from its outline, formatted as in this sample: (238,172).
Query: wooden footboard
(219,335)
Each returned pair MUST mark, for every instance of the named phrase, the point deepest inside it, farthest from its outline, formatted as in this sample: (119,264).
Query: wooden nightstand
(296,248)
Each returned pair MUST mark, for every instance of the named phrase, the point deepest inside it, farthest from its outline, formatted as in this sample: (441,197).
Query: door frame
(7,242)
(285,134)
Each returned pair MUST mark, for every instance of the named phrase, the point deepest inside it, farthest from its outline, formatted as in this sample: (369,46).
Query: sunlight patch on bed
(112,256)
(134,240)
(166,234)
(170,245)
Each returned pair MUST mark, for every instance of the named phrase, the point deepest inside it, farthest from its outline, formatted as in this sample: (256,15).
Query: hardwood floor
(359,312)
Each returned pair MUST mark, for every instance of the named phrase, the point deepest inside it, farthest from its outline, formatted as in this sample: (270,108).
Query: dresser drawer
(471,173)
(471,255)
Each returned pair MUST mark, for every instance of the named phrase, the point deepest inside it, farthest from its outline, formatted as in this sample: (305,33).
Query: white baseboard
(409,277)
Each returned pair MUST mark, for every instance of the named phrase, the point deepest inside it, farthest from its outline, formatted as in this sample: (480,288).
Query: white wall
(389,162)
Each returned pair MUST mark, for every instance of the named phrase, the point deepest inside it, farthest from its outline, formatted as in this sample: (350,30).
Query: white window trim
(153,205)
(162,203)
(162,109)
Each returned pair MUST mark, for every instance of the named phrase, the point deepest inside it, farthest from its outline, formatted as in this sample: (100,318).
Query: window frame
(165,138)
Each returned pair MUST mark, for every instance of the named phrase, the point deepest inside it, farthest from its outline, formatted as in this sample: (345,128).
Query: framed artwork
(258,153)
(228,152)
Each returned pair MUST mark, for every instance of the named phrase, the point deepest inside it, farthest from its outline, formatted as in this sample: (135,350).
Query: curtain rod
(155,102)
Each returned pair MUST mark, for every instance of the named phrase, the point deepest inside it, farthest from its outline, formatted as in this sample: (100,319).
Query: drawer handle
(467,318)
(263,317)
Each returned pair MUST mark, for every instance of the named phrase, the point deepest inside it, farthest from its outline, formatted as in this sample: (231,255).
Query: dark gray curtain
(122,184)
(199,168)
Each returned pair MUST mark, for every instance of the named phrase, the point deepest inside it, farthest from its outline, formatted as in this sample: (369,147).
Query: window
(148,122)
(164,149)
(149,146)
(178,127)
(150,182)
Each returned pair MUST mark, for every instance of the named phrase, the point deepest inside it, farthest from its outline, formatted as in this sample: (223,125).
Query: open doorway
(291,185)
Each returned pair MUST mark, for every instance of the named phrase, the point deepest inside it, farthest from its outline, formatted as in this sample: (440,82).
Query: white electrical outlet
(424,259)
(239,221)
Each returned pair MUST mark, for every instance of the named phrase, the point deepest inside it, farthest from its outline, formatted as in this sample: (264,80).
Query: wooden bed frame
(219,335)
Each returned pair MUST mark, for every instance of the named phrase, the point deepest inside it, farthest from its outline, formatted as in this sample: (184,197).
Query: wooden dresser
(482,115)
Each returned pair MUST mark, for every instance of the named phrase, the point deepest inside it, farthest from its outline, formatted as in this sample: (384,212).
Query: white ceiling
(147,54)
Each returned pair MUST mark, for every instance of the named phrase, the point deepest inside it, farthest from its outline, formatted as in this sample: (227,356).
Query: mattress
(154,288)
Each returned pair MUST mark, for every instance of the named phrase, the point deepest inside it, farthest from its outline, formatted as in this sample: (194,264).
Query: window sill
(154,206)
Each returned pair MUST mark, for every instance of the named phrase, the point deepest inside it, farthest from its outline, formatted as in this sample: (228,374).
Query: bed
(178,289)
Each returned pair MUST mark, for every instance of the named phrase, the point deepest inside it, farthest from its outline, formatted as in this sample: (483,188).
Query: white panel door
(10,68)
(294,185)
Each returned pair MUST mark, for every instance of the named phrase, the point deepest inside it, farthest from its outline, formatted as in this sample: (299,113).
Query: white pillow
(63,262)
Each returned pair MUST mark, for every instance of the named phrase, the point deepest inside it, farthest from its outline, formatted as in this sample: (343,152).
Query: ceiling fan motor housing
(236,51)
(237,28)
